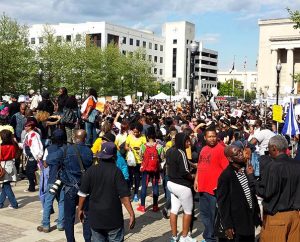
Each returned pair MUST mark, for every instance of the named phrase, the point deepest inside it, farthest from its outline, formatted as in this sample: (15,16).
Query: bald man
(237,203)
(78,157)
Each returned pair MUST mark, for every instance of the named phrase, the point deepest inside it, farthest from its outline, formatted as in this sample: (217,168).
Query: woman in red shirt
(7,159)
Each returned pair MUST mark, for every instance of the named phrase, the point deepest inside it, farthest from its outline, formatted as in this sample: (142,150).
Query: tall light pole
(122,86)
(193,48)
(278,69)
(40,72)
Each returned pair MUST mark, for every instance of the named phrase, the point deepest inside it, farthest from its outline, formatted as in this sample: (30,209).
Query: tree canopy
(77,65)
(295,17)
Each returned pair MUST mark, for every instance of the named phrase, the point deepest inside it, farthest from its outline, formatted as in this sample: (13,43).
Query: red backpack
(151,159)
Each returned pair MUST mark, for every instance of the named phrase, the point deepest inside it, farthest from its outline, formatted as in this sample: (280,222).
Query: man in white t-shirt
(262,138)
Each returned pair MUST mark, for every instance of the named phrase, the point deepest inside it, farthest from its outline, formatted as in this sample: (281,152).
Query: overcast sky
(227,26)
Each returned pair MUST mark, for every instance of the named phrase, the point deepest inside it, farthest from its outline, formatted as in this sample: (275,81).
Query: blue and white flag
(291,126)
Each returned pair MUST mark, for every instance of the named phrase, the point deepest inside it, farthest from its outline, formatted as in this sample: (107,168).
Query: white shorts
(180,196)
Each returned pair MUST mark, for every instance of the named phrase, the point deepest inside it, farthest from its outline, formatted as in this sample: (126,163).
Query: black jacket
(233,206)
(177,166)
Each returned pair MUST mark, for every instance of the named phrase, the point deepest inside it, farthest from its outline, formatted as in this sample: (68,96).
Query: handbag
(2,169)
(219,230)
(93,116)
(130,158)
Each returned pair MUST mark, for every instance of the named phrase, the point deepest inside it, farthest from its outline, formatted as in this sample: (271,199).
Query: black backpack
(69,116)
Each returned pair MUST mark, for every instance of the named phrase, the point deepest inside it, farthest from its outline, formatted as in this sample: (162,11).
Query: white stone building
(278,41)
(169,53)
(248,78)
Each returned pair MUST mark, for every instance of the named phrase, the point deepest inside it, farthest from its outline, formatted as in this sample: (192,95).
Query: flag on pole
(232,69)
(245,62)
(290,126)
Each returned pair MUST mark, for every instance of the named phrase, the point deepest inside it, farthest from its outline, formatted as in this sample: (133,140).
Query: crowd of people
(231,158)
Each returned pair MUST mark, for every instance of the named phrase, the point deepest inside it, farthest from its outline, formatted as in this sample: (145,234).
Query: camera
(55,187)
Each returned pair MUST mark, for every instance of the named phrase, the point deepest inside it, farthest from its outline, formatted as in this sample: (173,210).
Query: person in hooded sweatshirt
(180,185)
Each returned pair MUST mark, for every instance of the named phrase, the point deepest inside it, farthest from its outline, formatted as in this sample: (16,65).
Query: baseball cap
(109,137)
(108,150)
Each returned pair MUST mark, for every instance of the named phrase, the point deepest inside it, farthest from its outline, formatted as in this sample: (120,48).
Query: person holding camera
(79,157)
(52,158)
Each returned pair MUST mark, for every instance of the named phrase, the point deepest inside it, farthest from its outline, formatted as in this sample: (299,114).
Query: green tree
(226,88)
(295,17)
(250,96)
(15,57)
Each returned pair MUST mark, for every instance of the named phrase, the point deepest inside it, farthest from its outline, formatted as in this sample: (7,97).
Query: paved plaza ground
(19,225)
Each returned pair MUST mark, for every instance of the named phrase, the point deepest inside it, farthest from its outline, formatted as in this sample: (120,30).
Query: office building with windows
(169,53)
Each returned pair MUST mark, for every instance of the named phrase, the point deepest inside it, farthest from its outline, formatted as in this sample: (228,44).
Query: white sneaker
(187,239)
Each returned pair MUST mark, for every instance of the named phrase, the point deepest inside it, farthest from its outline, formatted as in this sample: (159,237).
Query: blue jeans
(167,193)
(91,133)
(207,208)
(70,203)
(7,192)
(48,207)
(115,235)
(146,176)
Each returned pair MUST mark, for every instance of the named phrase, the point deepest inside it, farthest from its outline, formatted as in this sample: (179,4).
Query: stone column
(290,67)
(272,83)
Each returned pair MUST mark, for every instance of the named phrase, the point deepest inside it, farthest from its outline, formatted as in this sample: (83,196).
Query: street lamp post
(40,72)
(278,69)
(193,48)
(122,86)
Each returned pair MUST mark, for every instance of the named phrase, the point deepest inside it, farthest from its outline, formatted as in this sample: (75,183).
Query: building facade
(169,53)
(247,78)
(178,36)
(278,42)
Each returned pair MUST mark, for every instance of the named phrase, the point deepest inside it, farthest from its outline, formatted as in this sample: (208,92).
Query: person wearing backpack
(69,118)
(152,154)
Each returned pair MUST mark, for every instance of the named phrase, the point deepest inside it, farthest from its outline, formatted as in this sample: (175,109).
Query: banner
(277,113)
(128,100)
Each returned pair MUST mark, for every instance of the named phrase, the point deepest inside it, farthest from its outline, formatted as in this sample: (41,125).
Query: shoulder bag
(2,169)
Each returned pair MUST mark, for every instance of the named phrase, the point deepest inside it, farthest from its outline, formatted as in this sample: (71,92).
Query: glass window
(58,38)
(78,37)
(41,40)
(144,44)
(137,42)
(150,57)
(155,59)
(32,41)
(124,52)
(68,38)
(161,60)
(131,41)
(150,45)
(124,40)
(161,72)
(174,41)
(161,48)
(155,70)
(155,47)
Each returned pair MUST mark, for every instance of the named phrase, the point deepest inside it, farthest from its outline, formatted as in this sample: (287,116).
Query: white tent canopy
(161,96)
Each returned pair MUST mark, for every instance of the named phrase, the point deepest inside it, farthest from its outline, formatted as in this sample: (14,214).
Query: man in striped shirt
(237,203)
